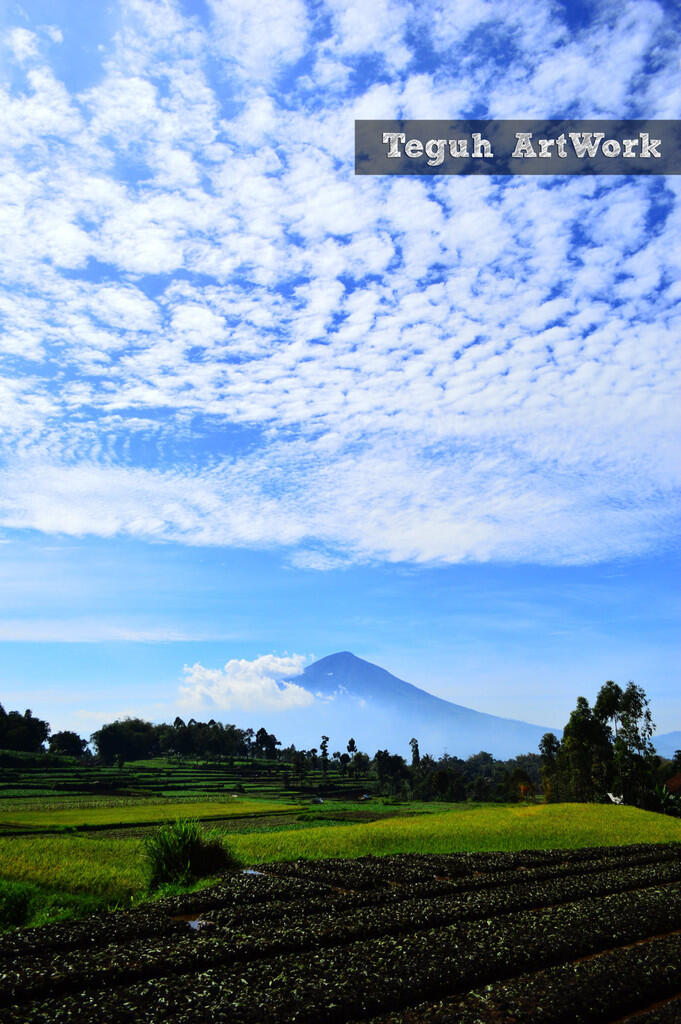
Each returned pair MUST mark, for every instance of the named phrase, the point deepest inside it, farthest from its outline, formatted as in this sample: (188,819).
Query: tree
(324,747)
(415,756)
(391,769)
(586,755)
(634,753)
(360,764)
(127,739)
(299,764)
(549,748)
(351,747)
(266,743)
(519,784)
(607,748)
(549,745)
(22,732)
(608,706)
(68,743)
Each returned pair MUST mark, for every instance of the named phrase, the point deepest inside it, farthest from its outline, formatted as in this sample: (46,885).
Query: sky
(255,409)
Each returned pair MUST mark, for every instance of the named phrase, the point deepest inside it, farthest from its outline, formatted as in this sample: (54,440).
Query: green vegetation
(24,903)
(551,937)
(22,732)
(182,852)
(74,829)
(606,750)
(464,827)
(15,902)
(139,812)
(113,871)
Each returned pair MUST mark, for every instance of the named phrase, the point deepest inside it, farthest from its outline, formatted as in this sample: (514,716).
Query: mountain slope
(667,743)
(370,702)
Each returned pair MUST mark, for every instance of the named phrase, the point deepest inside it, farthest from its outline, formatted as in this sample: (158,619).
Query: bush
(181,852)
(16,903)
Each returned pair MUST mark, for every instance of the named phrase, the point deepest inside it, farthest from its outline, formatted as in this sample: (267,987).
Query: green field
(72,835)
(455,828)
(66,871)
(84,814)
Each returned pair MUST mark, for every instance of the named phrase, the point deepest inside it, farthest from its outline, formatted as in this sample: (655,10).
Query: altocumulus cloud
(244,685)
(212,333)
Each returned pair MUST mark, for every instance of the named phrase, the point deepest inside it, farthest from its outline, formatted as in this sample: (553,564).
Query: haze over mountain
(666,744)
(357,698)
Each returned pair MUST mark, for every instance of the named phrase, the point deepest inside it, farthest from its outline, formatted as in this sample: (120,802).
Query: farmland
(16,818)
(378,910)
(571,935)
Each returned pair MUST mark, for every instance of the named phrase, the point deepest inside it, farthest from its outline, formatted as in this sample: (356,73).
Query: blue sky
(254,409)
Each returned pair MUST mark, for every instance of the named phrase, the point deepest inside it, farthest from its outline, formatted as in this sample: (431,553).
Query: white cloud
(54,33)
(369,368)
(23,43)
(379,28)
(246,685)
(260,38)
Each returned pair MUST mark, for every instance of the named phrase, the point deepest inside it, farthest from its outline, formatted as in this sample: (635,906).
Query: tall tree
(605,749)
(634,753)
(324,747)
(608,706)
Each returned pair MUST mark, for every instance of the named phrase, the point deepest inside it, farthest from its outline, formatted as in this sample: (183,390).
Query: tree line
(605,753)
(480,777)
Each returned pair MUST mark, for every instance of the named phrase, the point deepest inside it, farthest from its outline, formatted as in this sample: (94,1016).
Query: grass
(182,852)
(112,870)
(465,828)
(24,903)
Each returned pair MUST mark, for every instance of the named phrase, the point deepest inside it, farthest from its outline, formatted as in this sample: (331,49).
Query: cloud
(260,38)
(84,630)
(246,685)
(23,43)
(54,33)
(215,333)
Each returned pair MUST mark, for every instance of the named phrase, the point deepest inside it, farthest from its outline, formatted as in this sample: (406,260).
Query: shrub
(16,903)
(181,852)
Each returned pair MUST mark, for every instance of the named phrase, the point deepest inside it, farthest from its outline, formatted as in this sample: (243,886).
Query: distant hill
(359,699)
(668,743)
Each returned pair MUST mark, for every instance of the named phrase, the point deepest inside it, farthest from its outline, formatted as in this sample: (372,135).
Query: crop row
(668,1012)
(252,896)
(367,872)
(283,928)
(371,976)
(387,879)
(584,992)
(151,919)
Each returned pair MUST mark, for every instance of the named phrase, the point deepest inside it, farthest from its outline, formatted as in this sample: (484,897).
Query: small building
(674,784)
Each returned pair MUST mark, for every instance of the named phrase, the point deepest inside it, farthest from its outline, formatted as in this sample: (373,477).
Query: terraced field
(539,936)
(49,816)
(23,776)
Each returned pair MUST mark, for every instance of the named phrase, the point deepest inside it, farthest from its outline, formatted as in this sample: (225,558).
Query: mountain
(666,745)
(356,698)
